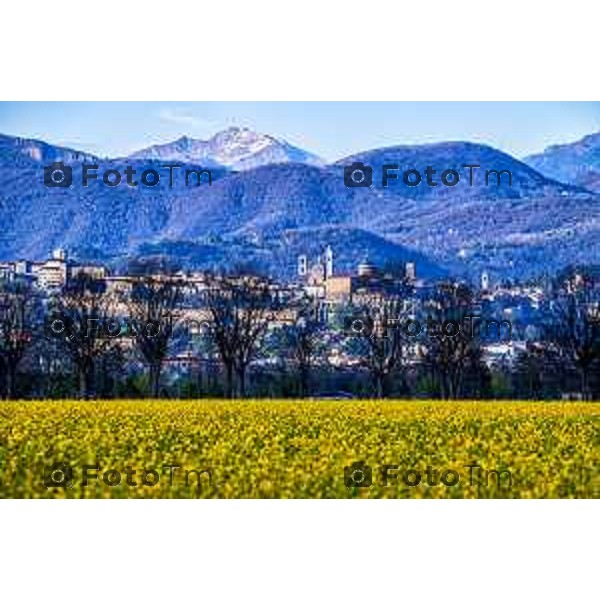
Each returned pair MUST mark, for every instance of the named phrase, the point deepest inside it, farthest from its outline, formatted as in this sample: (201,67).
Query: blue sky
(330,129)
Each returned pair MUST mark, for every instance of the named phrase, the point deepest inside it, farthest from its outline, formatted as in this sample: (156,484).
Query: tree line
(261,340)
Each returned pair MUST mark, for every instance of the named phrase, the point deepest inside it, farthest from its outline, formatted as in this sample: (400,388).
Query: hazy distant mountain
(526,182)
(18,149)
(235,148)
(577,163)
(267,215)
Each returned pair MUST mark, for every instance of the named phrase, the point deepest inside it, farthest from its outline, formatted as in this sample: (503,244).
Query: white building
(51,275)
(485,281)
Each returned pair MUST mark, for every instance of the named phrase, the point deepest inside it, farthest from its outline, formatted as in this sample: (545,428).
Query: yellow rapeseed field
(298,449)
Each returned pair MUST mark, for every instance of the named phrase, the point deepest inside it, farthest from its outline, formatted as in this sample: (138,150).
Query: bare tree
(383,342)
(240,308)
(302,341)
(528,371)
(450,352)
(573,331)
(111,369)
(153,308)
(76,323)
(15,331)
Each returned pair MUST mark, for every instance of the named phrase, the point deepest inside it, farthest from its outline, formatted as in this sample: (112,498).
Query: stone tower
(328,262)
(302,265)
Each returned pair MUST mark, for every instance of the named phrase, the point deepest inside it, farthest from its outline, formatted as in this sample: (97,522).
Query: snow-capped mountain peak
(235,144)
(237,148)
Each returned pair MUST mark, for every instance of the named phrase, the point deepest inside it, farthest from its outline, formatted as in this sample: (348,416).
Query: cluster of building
(50,275)
(317,279)
(320,280)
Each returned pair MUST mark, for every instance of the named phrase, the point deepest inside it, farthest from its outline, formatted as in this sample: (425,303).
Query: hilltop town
(379,330)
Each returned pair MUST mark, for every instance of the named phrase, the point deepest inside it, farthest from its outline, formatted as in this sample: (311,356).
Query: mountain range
(270,201)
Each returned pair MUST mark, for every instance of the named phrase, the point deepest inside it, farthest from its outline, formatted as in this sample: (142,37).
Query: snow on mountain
(266,215)
(237,148)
